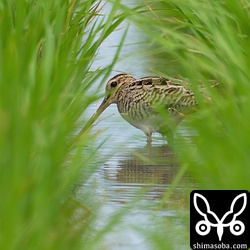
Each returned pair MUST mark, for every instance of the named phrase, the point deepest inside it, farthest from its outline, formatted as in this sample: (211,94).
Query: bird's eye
(113,84)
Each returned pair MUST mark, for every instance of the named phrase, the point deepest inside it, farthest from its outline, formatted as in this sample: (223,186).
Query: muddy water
(135,176)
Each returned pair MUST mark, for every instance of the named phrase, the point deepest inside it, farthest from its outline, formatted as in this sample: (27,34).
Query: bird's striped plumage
(152,104)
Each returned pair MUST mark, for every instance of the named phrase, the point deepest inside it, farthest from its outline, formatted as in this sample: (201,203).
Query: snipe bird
(151,104)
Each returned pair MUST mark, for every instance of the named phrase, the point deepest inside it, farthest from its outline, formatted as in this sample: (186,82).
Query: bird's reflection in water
(151,167)
(147,165)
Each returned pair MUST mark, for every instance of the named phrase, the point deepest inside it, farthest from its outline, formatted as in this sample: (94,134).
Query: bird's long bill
(98,112)
(100,109)
(105,103)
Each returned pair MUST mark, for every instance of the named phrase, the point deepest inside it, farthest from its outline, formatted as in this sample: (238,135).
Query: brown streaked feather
(158,90)
(142,101)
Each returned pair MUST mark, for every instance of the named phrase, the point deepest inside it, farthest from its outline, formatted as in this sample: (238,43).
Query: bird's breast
(135,106)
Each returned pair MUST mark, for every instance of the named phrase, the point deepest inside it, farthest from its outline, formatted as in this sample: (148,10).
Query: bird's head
(112,88)
(114,85)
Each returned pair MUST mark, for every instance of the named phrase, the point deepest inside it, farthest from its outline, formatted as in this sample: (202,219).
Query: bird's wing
(171,94)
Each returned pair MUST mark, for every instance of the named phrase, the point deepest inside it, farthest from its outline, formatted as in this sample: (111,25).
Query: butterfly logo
(203,227)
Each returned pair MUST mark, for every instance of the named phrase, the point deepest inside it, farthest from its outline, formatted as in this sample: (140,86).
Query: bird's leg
(149,137)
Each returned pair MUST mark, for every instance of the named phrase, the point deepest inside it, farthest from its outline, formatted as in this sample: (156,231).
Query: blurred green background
(46,52)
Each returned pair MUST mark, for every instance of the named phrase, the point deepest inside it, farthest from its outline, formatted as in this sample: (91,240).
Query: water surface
(135,176)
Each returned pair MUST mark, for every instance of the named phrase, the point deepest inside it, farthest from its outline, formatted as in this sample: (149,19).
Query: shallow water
(135,176)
